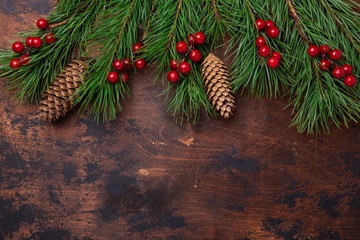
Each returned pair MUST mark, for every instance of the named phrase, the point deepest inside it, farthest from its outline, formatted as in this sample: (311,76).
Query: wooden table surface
(145,177)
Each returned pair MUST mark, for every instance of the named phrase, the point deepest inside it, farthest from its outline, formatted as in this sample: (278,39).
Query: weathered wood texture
(145,177)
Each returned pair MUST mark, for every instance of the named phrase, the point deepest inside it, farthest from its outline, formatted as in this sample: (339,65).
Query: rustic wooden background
(145,177)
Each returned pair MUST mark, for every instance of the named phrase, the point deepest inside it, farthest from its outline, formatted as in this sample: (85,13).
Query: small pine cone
(215,78)
(55,102)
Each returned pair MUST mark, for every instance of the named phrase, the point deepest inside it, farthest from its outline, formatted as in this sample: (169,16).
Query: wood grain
(145,177)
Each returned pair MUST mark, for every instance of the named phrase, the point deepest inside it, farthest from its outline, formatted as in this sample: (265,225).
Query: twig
(148,21)
(174,25)
(216,10)
(127,19)
(294,14)
(252,10)
(123,27)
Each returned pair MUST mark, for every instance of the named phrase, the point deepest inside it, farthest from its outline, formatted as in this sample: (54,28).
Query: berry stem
(41,35)
(186,54)
(333,63)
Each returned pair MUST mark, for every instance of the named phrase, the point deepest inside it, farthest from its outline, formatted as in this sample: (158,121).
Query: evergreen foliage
(107,29)
(76,19)
(112,37)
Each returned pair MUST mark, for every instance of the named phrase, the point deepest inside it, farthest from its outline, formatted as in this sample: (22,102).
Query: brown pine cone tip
(55,102)
(215,77)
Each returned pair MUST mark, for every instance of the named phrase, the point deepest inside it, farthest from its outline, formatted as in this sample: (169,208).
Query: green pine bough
(111,38)
(76,19)
(318,98)
(107,29)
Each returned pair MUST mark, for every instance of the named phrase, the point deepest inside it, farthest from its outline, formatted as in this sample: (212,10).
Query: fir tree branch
(46,62)
(318,98)
(113,37)
(171,22)
(250,71)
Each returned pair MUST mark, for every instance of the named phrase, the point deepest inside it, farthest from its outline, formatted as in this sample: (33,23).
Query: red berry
(140,64)
(347,69)
(260,24)
(127,63)
(199,38)
(136,47)
(324,65)
(269,24)
(324,49)
(118,65)
(184,67)
(15,63)
(173,76)
(195,55)
(42,24)
(125,77)
(335,54)
(277,55)
(113,77)
(350,81)
(264,51)
(260,41)
(29,41)
(191,39)
(49,39)
(36,42)
(273,32)
(18,47)
(338,73)
(313,51)
(173,64)
(182,47)
(273,62)
(25,59)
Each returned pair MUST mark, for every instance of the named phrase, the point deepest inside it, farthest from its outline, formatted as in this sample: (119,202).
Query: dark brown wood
(145,177)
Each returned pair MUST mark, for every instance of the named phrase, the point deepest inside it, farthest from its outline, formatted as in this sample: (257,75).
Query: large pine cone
(215,77)
(55,102)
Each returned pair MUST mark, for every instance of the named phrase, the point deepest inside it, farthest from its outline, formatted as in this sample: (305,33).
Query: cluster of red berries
(31,42)
(268,26)
(125,65)
(183,48)
(264,51)
(327,59)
